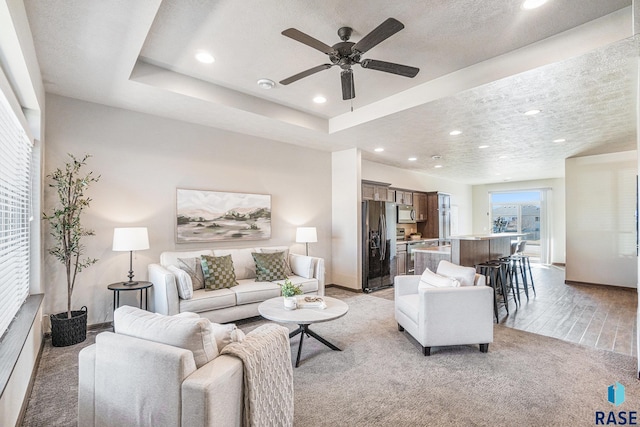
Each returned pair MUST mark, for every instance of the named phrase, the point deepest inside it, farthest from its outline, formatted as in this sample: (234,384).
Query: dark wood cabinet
(438,223)
(401,258)
(420,206)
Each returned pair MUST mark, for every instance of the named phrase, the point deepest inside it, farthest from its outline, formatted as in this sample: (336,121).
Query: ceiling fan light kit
(345,54)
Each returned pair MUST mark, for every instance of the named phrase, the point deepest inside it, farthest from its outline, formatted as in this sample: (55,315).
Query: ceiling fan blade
(305,74)
(348,88)
(390,67)
(379,34)
(308,40)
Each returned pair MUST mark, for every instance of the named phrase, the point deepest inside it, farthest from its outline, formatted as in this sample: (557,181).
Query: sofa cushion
(183,280)
(301,265)
(171,258)
(429,279)
(218,272)
(190,334)
(465,275)
(269,266)
(285,249)
(193,267)
(249,291)
(243,264)
(409,305)
(307,285)
(203,300)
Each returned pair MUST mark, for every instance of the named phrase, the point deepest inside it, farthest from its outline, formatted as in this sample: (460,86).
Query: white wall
(346,213)
(142,159)
(601,224)
(556,204)
(461,194)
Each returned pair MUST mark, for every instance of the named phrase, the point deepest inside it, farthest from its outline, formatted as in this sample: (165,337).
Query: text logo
(616,394)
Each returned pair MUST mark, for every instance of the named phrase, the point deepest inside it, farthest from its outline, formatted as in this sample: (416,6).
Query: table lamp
(130,239)
(306,235)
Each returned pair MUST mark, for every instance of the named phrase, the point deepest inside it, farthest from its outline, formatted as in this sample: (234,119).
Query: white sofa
(240,301)
(444,316)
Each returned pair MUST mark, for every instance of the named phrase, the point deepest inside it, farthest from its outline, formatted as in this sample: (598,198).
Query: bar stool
(494,274)
(525,266)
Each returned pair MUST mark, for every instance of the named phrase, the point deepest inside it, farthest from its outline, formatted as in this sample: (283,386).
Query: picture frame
(213,216)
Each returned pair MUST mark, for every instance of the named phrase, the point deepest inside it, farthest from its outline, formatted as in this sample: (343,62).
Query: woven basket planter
(65,332)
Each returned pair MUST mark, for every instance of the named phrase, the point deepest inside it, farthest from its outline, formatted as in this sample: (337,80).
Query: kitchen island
(476,249)
(465,250)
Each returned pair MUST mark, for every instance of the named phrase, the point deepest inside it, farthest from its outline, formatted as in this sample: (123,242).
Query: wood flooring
(595,316)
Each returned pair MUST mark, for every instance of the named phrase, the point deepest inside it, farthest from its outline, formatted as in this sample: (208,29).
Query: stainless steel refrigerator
(378,245)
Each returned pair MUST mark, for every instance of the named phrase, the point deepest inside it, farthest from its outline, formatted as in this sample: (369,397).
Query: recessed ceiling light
(437,166)
(319,99)
(503,157)
(266,83)
(531,112)
(559,140)
(205,57)
(483,146)
(455,132)
(379,150)
(436,157)
(412,159)
(532,4)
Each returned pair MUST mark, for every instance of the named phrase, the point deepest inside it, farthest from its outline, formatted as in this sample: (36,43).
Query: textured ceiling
(482,64)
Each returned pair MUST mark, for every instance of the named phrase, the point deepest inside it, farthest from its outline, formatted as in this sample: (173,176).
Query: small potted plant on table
(289,292)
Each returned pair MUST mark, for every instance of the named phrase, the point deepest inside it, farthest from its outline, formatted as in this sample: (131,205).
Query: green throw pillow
(269,267)
(218,272)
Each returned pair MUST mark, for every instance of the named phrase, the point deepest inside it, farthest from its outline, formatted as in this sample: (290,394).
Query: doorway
(523,212)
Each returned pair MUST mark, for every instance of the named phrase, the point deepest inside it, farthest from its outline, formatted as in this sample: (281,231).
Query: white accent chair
(445,316)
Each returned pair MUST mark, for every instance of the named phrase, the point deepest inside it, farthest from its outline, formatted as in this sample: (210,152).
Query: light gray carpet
(381,378)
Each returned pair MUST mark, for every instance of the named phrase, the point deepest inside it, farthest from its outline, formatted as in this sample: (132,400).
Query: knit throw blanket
(268,376)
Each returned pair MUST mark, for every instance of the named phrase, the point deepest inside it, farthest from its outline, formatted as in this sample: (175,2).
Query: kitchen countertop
(416,241)
(486,236)
(437,249)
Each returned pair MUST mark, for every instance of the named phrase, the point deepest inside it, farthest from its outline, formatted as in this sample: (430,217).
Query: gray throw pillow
(193,267)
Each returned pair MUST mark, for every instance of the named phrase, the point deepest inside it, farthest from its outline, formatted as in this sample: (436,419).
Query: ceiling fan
(345,54)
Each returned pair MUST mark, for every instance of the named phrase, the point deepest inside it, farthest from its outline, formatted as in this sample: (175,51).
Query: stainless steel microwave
(406,214)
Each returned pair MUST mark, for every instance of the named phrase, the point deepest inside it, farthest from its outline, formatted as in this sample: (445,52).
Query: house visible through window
(15,213)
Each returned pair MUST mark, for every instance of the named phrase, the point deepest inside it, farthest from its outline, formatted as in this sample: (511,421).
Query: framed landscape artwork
(211,216)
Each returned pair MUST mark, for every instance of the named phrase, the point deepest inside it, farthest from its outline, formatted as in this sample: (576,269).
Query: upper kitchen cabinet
(404,197)
(438,223)
(420,206)
(378,191)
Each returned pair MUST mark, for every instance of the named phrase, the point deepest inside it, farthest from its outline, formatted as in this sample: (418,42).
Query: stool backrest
(521,245)
(514,247)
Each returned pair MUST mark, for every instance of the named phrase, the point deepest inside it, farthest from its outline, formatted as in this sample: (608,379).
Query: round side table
(141,286)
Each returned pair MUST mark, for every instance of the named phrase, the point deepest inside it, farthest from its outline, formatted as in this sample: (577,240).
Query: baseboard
(344,288)
(105,325)
(559,264)
(599,285)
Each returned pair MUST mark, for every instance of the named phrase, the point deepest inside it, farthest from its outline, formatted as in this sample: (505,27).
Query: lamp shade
(130,239)
(306,235)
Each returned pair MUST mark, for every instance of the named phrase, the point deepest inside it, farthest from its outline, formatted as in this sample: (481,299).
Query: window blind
(15,213)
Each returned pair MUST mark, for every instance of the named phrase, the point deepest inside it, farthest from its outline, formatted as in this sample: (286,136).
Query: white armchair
(443,316)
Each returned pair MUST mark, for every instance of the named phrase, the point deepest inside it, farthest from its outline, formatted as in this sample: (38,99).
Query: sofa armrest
(213,395)
(165,290)
(404,285)
(308,267)
(86,386)
(318,273)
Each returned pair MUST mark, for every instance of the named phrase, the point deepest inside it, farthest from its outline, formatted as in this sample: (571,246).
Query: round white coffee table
(273,309)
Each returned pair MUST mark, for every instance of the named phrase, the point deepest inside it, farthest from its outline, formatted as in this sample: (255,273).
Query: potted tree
(70,183)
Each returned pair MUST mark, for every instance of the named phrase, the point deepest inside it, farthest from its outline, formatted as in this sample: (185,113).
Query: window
(15,213)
